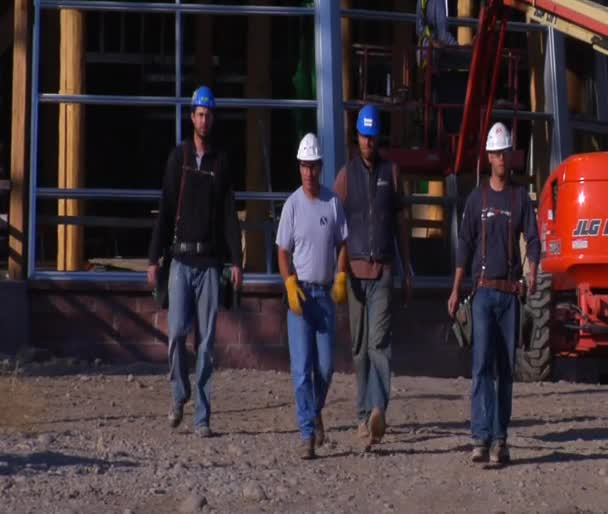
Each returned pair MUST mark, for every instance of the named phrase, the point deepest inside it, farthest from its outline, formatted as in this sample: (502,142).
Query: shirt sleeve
(285,235)
(530,229)
(162,232)
(467,236)
(341,228)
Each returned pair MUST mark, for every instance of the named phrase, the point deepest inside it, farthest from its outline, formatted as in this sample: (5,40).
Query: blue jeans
(193,295)
(495,332)
(312,343)
(369,309)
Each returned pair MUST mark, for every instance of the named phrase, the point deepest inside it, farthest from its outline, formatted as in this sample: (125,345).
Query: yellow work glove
(294,294)
(338,291)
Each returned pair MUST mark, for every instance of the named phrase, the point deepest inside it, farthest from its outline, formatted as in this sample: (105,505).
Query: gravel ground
(96,440)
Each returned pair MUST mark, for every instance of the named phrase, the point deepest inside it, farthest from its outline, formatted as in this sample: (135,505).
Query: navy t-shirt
(501,205)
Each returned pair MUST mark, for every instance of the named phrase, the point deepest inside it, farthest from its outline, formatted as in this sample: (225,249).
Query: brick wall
(14,321)
(120,323)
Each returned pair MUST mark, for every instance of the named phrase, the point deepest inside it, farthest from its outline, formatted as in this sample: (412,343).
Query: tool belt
(191,248)
(506,286)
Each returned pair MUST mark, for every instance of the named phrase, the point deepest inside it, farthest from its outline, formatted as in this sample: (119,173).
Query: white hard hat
(499,138)
(309,148)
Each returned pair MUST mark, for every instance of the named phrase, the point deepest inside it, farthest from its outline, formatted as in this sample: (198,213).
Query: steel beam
(132,100)
(90,193)
(166,7)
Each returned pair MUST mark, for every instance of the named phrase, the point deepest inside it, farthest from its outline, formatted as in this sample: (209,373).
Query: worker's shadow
(43,461)
(574,434)
(558,457)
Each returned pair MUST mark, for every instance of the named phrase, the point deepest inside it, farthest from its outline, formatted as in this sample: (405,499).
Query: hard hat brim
(370,132)
(499,148)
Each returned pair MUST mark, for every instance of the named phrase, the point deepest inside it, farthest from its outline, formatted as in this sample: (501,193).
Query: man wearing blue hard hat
(370,190)
(197,221)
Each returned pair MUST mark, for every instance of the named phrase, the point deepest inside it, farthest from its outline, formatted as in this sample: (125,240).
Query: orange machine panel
(573,222)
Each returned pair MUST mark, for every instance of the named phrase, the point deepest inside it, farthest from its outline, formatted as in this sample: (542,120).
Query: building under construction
(94,94)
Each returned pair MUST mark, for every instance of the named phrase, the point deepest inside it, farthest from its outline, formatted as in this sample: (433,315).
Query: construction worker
(370,191)
(432,24)
(197,220)
(311,232)
(495,215)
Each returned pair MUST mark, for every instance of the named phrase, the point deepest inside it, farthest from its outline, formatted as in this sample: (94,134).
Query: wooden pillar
(466,8)
(70,238)
(258,135)
(346,26)
(19,141)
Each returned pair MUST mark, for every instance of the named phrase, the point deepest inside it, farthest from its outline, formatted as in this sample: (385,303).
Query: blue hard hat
(203,97)
(368,122)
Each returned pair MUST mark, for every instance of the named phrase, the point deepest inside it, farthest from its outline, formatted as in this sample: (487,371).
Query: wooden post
(466,8)
(258,135)
(70,238)
(20,141)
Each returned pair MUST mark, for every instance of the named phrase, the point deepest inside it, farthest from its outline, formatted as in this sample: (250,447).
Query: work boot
(479,454)
(377,425)
(363,430)
(203,431)
(176,414)
(306,449)
(319,431)
(499,453)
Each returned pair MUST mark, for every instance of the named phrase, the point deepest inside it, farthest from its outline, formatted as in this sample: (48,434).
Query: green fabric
(304,79)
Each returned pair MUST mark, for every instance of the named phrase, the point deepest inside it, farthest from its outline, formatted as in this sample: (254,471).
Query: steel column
(330,113)
(33,178)
(178,73)
(556,96)
(601,86)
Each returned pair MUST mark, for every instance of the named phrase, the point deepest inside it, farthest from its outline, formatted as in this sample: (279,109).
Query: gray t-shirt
(311,229)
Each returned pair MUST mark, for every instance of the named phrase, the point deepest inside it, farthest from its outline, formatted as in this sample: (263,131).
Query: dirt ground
(97,440)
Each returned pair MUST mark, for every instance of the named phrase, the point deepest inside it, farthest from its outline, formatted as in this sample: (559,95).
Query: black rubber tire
(533,358)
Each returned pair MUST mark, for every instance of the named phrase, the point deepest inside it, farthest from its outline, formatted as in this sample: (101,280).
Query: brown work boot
(306,449)
(176,414)
(377,425)
(479,454)
(362,430)
(319,431)
(203,431)
(499,453)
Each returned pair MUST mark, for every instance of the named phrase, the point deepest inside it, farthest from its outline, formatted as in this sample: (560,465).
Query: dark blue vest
(370,210)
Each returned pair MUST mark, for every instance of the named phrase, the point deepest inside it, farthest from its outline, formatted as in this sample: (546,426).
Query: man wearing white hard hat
(495,215)
(312,263)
